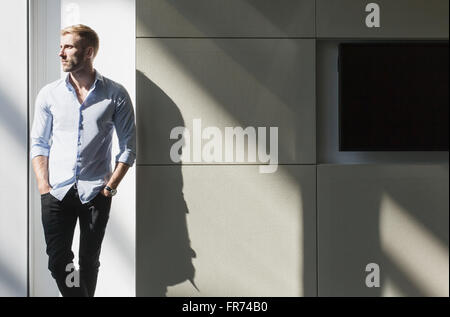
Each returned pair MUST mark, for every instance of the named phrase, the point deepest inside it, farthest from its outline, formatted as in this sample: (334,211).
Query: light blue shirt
(77,138)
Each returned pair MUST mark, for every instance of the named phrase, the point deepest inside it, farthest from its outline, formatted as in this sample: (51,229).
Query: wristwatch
(111,190)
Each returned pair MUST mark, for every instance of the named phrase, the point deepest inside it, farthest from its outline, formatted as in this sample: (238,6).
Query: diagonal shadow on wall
(367,243)
(163,251)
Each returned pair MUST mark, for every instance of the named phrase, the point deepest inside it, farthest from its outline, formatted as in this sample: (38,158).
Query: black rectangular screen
(393,96)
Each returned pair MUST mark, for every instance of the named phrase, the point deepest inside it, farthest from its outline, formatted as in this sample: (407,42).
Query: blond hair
(88,36)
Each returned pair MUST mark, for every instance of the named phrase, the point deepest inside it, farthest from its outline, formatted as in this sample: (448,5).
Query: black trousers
(59,219)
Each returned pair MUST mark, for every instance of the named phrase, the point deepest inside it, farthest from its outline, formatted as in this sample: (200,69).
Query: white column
(13,145)
(44,31)
(114,21)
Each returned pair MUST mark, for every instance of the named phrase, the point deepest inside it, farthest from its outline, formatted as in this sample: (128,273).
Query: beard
(69,66)
(74,63)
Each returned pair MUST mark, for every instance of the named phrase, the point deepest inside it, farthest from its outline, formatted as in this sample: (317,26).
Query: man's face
(72,53)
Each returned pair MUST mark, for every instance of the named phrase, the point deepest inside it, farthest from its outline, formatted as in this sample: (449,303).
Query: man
(71,156)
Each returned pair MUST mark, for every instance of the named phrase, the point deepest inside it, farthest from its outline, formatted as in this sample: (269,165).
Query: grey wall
(232,18)
(401,19)
(233,230)
(227,83)
(310,228)
(395,215)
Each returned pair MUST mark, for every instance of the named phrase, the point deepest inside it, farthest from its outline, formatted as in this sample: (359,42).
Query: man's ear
(90,52)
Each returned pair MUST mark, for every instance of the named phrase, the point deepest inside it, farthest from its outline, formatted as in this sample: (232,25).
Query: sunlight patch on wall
(413,248)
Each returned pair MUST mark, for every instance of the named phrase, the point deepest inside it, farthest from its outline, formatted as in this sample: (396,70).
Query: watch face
(111,190)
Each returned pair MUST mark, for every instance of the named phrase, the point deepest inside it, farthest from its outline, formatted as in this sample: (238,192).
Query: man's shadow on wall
(163,251)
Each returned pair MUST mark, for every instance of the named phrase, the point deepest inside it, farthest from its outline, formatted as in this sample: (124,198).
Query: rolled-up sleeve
(126,130)
(41,130)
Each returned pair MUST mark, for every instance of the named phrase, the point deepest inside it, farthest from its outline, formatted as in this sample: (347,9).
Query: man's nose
(61,52)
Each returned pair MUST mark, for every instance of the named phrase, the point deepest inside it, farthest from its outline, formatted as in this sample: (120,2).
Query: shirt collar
(98,77)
